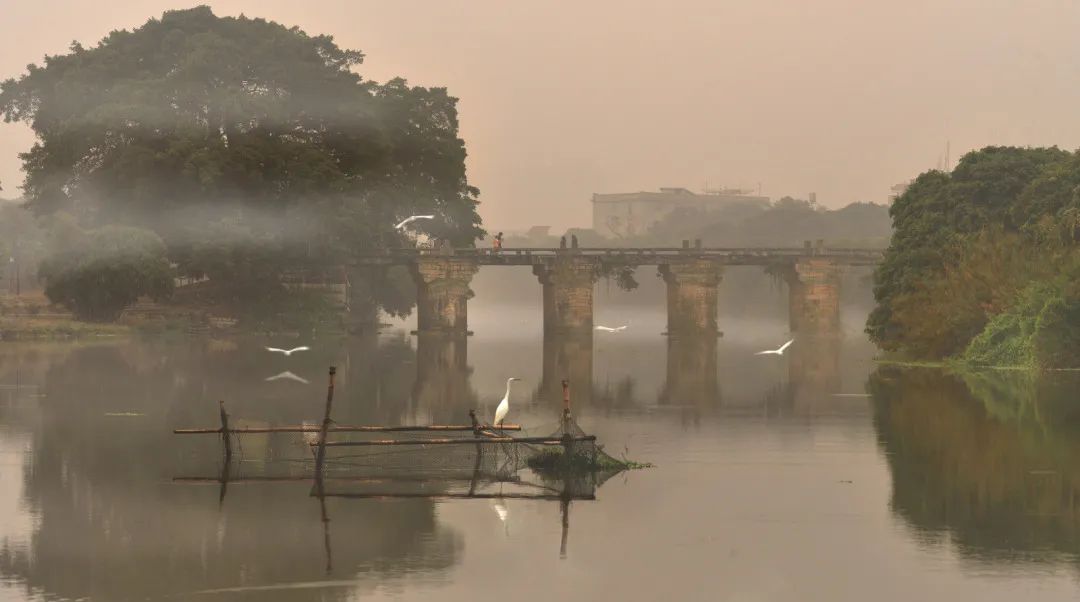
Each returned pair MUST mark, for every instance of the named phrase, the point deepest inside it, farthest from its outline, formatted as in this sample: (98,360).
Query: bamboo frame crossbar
(471,441)
(459,496)
(344,479)
(344,428)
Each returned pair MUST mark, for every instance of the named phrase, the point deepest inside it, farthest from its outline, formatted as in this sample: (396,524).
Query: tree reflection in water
(992,460)
(109,524)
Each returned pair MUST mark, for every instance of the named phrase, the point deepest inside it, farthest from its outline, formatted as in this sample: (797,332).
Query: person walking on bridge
(496,243)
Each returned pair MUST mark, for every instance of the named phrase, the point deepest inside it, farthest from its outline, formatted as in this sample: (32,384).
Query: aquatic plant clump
(555,460)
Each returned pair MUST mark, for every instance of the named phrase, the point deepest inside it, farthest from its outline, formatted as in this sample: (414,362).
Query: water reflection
(691,371)
(100,488)
(759,461)
(991,460)
(570,358)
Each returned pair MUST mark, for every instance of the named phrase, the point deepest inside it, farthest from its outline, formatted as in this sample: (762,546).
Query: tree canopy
(979,261)
(194,123)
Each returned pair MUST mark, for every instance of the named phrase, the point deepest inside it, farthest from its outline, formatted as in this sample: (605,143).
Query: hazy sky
(563,99)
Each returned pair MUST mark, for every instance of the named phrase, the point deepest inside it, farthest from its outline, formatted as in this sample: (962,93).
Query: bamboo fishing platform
(481,435)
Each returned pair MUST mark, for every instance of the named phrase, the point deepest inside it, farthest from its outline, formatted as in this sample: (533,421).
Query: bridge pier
(568,294)
(443,292)
(692,296)
(814,297)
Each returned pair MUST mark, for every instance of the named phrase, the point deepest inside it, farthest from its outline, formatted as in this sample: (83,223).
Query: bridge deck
(627,256)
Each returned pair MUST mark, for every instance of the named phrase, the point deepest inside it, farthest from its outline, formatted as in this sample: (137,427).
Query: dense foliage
(98,273)
(786,222)
(983,260)
(249,147)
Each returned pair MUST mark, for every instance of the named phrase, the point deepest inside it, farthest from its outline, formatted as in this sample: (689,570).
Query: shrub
(106,271)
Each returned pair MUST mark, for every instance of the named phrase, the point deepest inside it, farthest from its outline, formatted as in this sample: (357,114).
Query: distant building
(899,189)
(633,213)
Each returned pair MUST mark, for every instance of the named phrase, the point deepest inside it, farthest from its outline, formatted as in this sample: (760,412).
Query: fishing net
(565,462)
(464,461)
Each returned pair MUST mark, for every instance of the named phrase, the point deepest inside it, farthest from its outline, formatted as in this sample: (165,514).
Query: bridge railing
(778,252)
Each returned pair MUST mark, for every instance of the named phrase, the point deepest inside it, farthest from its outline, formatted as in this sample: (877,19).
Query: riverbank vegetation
(983,265)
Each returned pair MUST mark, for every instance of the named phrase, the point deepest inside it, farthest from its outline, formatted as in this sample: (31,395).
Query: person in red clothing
(496,243)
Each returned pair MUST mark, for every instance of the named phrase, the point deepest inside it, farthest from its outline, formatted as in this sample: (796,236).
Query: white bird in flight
(289,376)
(778,351)
(410,219)
(610,329)
(286,352)
(504,405)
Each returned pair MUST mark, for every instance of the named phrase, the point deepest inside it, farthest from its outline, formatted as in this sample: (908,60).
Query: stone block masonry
(814,297)
(692,296)
(443,292)
(568,284)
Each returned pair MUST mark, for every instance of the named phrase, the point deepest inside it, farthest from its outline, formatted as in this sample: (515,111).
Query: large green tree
(966,244)
(194,124)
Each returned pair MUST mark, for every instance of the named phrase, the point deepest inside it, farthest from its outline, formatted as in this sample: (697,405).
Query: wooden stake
(566,436)
(226,439)
(321,455)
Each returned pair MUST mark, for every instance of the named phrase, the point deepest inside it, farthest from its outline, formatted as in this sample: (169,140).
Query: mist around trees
(246,147)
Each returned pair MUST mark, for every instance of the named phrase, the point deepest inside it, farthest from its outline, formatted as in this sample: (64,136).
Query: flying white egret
(411,219)
(288,376)
(778,351)
(504,405)
(286,352)
(610,329)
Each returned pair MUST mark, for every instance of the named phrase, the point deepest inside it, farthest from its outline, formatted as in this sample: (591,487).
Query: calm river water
(819,475)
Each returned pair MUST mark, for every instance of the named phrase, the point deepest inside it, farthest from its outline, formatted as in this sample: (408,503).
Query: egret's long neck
(507,396)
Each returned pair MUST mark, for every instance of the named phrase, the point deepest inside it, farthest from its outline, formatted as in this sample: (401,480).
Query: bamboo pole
(359,428)
(226,439)
(566,437)
(479,452)
(539,440)
(321,455)
(459,496)
(344,479)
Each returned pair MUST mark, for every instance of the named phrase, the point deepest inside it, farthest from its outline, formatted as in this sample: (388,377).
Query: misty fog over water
(345,300)
(755,471)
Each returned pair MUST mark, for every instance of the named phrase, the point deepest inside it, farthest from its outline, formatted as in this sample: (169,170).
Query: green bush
(1042,330)
(107,270)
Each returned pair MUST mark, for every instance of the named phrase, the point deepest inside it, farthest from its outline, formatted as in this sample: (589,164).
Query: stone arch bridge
(567,275)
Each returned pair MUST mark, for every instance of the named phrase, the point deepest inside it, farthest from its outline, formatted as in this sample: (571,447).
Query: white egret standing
(777,351)
(610,329)
(411,219)
(504,405)
(286,352)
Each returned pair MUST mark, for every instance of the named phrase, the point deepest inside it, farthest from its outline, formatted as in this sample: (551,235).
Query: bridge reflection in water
(805,378)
